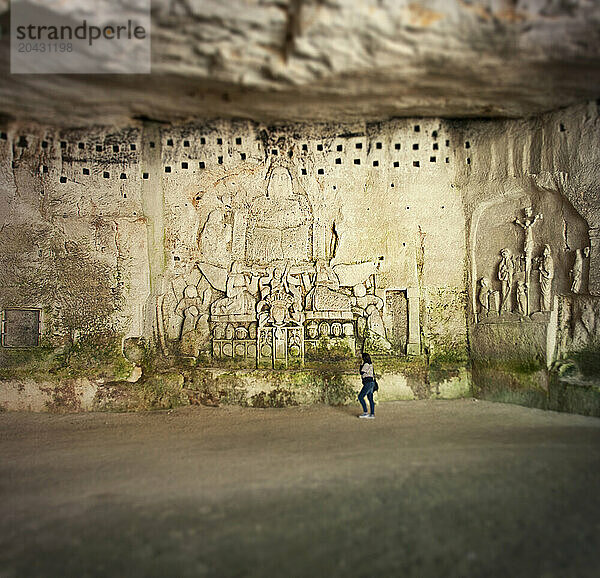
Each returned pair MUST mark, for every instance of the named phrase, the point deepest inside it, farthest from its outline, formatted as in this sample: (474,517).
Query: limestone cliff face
(149,210)
(329,60)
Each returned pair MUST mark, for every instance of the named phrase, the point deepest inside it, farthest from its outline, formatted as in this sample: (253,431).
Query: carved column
(413,347)
(594,283)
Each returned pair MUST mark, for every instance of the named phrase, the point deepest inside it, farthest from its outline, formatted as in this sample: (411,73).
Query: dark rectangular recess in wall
(132,146)
(202,164)
(219,141)
(167,169)
(435,146)
(338,161)
(417,128)
(396,164)
(3,135)
(378,145)
(357,161)
(98,148)
(186,143)
(340,148)
(321,171)
(416,147)
(63,180)
(220,160)
(416,163)
(375,163)
(145,176)
(86,171)
(44,144)
(243,156)
(184,165)
(397,146)
(238,140)
(170,142)
(81,145)
(319,147)
(21,327)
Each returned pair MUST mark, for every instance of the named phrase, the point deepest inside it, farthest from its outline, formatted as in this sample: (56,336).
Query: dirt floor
(428,488)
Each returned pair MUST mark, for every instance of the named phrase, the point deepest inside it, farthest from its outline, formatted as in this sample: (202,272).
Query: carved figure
(326,294)
(216,234)
(527,225)
(240,294)
(546,265)
(506,270)
(279,222)
(193,308)
(522,298)
(376,337)
(484,296)
(577,270)
(280,297)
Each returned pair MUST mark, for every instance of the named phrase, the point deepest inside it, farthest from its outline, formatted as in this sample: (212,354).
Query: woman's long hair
(366,358)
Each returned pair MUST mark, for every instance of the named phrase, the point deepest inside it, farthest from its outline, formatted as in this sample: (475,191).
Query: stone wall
(240,243)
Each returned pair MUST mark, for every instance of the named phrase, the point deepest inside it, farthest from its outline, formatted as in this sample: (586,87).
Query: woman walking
(368,380)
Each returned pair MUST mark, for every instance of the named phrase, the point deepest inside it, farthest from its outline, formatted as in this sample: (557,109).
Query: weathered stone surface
(237,244)
(329,60)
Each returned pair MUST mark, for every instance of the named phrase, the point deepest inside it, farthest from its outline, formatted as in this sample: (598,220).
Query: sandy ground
(455,488)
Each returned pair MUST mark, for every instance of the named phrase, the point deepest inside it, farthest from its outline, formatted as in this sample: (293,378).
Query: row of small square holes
(379,146)
(238,141)
(338,161)
(186,143)
(105,174)
(22,142)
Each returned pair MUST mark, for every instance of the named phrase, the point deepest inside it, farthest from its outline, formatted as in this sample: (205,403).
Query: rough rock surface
(332,60)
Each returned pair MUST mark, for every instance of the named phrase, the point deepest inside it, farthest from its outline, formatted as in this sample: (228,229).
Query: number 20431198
(45,47)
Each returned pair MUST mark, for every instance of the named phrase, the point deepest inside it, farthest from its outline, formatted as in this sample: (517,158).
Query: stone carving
(216,235)
(546,268)
(527,225)
(326,294)
(240,296)
(484,297)
(279,223)
(522,298)
(370,307)
(577,270)
(506,270)
(280,297)
(183,313)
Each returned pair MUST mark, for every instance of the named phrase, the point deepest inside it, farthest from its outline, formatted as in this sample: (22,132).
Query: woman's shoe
(364,415)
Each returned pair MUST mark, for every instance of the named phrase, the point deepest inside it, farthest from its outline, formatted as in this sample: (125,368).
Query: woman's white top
(366,370)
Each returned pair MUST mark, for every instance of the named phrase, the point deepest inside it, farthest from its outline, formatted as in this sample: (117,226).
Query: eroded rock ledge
(328,60)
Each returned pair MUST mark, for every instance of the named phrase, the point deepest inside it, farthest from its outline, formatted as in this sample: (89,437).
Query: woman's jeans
(367,389)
